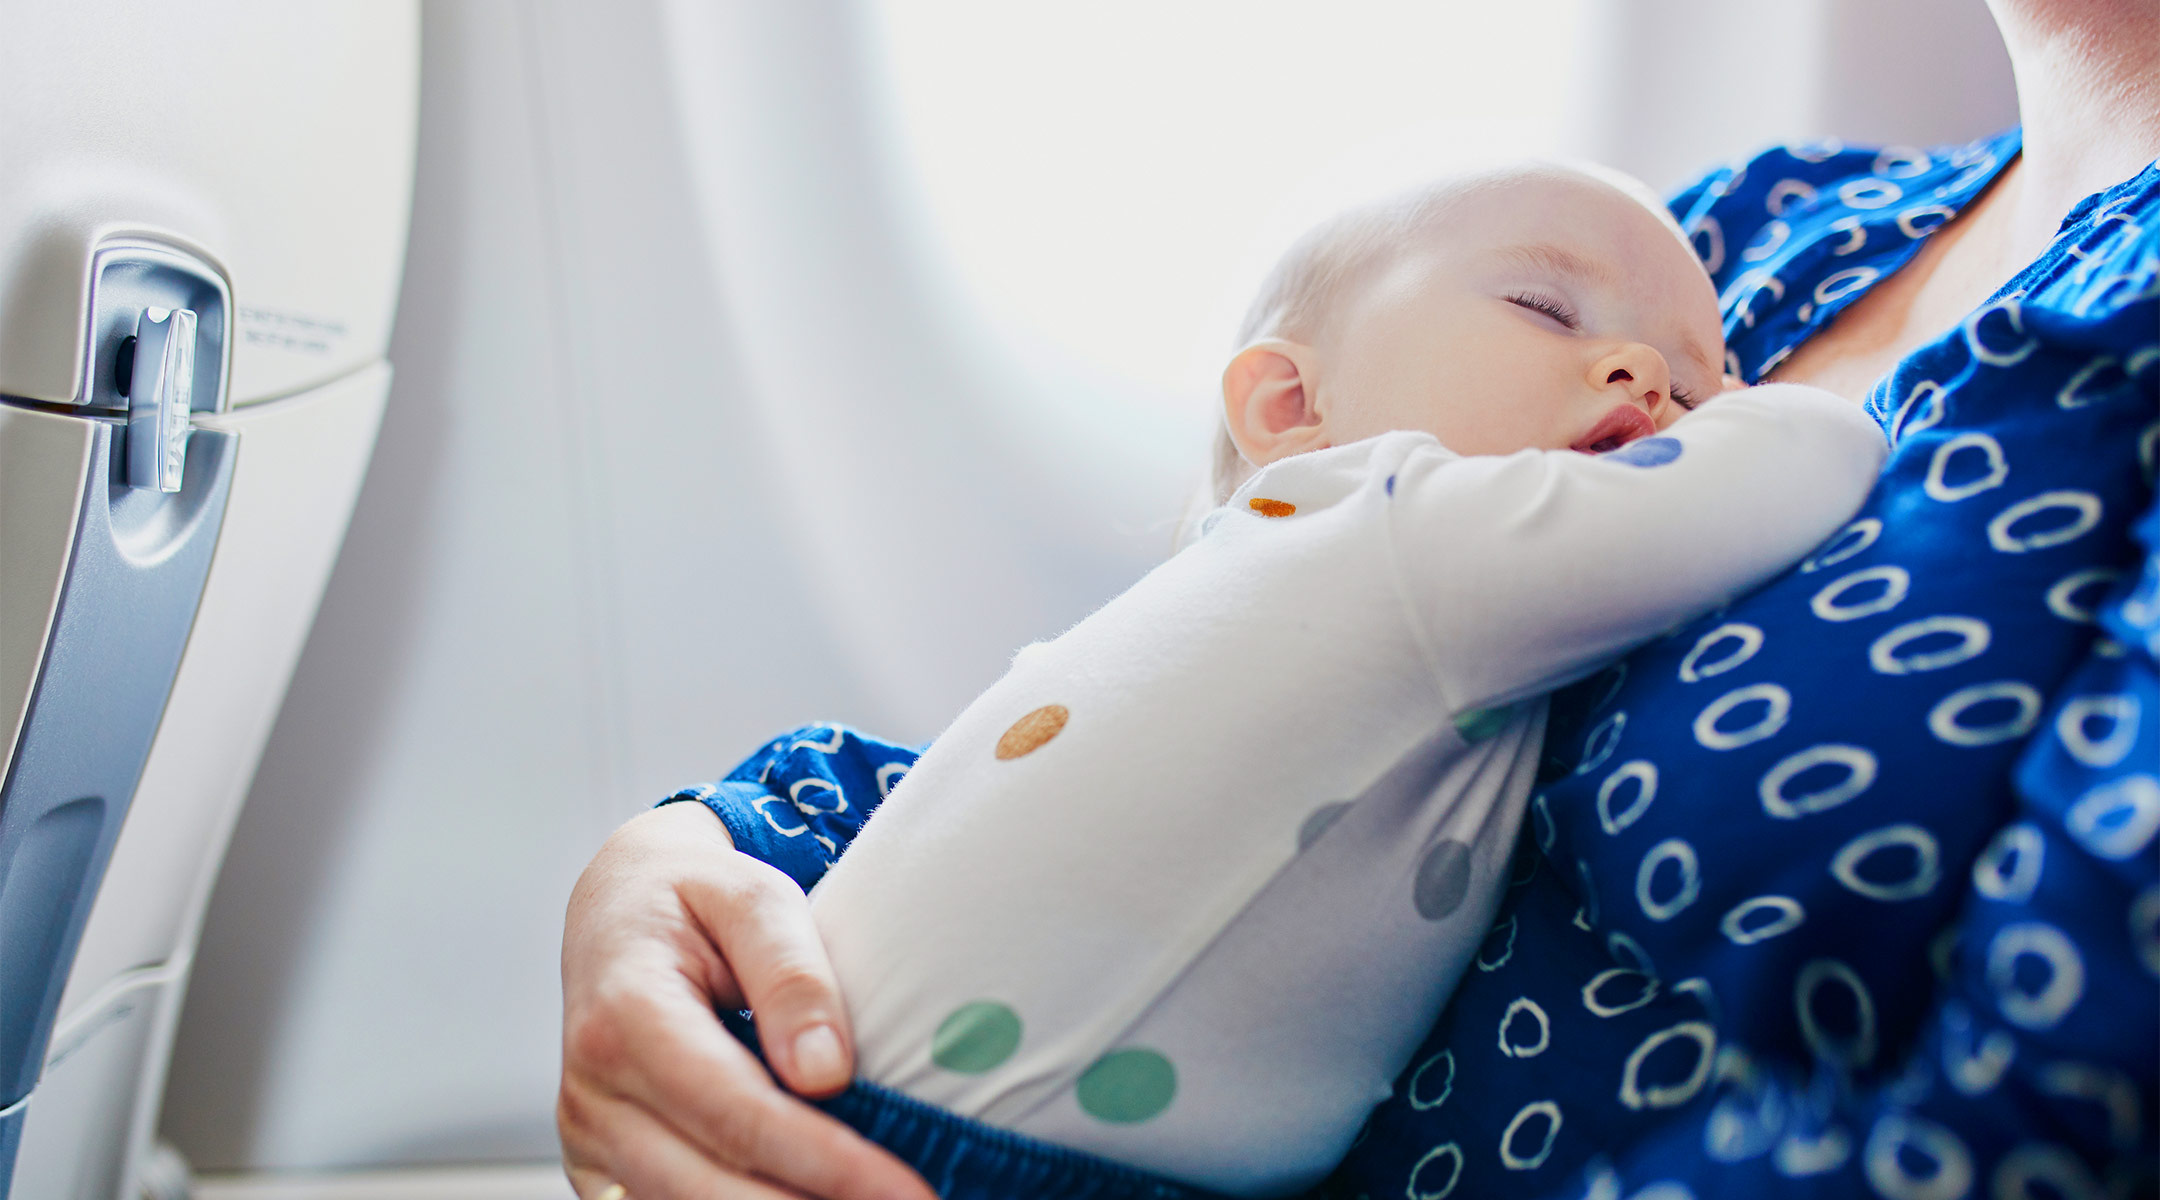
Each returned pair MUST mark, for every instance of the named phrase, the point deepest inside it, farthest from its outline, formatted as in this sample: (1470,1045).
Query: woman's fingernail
(817,1057)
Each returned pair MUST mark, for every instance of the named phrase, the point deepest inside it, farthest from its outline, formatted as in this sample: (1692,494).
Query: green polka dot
(1127,1086)
(976,1037)
(1480,723)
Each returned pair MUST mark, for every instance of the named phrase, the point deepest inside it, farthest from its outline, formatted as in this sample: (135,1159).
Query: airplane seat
(202,229)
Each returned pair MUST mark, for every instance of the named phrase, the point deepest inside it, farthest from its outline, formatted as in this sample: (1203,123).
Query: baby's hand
(1730,383)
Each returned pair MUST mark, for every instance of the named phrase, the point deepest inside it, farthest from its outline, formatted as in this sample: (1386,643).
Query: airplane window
(1111,178)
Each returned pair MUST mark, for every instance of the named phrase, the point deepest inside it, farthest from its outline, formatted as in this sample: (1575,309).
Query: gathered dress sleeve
(800,800)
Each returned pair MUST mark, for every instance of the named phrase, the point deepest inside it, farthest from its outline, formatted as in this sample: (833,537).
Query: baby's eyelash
(1684,398)
(1550,307)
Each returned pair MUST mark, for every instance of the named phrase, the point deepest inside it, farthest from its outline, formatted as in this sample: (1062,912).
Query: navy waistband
(964,1159)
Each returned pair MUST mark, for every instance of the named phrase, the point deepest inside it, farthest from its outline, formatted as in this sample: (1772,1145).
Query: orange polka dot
(1031,731)
(1272,508)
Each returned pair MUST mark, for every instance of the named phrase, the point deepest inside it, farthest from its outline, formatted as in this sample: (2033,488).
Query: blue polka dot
(1649,452)
(1391,485)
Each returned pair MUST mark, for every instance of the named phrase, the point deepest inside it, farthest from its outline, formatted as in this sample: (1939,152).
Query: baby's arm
(1530,570)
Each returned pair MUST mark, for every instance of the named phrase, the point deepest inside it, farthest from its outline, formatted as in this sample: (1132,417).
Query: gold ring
(615,1191)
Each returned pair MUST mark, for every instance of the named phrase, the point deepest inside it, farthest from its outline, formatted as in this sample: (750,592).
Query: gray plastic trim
(134,579)
(11,1124)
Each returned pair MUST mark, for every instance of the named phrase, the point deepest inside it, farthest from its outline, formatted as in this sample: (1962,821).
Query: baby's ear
(1268,402)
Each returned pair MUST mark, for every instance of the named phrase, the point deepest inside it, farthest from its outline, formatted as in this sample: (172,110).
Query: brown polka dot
(1272,508)
(1031,731)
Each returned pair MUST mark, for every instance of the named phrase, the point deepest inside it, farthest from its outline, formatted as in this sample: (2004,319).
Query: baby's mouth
(1624,424)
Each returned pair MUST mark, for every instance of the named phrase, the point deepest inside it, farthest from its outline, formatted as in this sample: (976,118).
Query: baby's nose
(1638,368)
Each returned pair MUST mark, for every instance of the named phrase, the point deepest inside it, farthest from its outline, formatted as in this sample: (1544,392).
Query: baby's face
(1549,311)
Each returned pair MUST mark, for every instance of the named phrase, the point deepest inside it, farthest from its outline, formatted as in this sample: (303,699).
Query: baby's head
(1535,306)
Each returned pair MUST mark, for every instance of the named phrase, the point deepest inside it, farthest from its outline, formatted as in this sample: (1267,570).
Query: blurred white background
(769,361)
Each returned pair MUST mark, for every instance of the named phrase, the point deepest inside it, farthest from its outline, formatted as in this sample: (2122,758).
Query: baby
(1185,888)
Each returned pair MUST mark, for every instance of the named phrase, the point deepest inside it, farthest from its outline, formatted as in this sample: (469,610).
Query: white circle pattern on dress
(1801,1155)
(1846,864)
(2118,715)
(1856,761)
(1846,542)
(1736,642)
(1893,1145)
(1994,470)
(1922,220)
(1922,410)
(2144,922)
(2009,869)
(1641,774)
(1593,992)
(2000,356)
(1784,194)
(2063,598)
(1504,934)
(1600,744)
(1709,241)
(2022,1003)
(1433,1081)
(1512,1156)
(2116,820)
(2060,1174)
(1776,703)
(1742,926)
(1886,586)
(1889,655)
(2073,393)
(1947,720)
(1524,1006)
(1856,236)
(1870,193)
(1856,1049)
(2083,509)
(1679,854)
(1638,1095)
(1446,1157)
(1766,243)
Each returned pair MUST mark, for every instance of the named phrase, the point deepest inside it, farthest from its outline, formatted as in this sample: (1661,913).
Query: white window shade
(1111,178)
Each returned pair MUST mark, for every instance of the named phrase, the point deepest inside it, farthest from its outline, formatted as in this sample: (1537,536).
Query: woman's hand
(667,923)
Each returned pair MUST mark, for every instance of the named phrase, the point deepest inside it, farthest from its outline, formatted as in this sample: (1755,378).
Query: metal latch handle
(160,393)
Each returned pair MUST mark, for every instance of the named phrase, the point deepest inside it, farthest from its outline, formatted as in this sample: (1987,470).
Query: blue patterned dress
(1851,887)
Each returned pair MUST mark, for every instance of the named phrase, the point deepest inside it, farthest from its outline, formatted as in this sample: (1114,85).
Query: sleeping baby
(1185,888)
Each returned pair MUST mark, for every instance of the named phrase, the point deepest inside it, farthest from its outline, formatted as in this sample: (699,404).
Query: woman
(1848,887)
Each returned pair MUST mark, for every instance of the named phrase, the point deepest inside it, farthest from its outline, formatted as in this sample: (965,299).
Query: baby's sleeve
(1527,571)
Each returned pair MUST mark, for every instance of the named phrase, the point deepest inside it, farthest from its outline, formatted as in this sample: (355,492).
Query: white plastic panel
(275,137)
(76,1139)
(43,460)
(293,488)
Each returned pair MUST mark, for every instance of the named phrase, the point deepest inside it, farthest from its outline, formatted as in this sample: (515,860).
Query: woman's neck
(2088,84)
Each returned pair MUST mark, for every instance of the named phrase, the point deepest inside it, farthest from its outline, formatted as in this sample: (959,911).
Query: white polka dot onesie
(1185,888)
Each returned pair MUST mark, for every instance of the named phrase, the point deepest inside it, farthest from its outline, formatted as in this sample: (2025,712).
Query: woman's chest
(1954,272)
(1833,752)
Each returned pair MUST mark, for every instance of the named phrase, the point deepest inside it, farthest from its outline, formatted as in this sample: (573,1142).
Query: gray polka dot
(1443,879)
(1318,822)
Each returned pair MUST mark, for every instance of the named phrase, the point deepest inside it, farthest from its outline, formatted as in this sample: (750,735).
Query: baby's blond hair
(1330,262)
